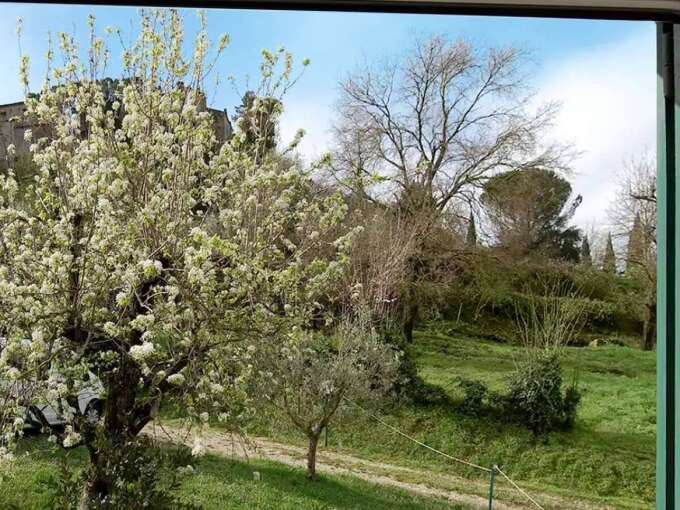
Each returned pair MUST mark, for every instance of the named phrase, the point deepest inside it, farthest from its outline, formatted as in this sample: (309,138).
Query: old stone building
(12,133)
(13,126)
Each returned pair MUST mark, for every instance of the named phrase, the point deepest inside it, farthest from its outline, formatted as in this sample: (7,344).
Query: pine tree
(471,238)
(609,261)
(586,258)
(636,246)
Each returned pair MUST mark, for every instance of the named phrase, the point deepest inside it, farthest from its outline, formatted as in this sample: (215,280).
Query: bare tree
(427,131)
(636,197)
(379,260)
(633,213)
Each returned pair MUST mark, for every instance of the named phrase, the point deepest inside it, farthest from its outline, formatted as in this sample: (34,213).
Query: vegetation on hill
(608,457)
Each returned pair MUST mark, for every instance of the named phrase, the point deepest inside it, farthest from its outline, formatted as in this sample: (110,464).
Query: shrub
(409,386)
(545,327)
(144,475)
(535,396)
(474,394)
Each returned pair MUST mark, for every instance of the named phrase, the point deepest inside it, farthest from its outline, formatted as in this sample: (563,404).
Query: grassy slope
(611,451)
(608,457)
(217,483)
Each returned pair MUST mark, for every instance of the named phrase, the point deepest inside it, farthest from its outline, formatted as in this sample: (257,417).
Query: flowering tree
(145,252)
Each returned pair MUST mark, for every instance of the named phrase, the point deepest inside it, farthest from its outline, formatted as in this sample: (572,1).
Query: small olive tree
(146,252)
(314,378)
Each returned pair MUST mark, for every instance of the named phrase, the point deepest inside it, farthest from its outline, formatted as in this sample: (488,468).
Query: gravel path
(333,463)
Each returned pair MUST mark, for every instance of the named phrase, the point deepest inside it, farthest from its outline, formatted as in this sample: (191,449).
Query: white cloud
(608,98)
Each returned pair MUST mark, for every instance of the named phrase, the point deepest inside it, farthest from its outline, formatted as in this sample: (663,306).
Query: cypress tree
(636,246)
(609,261)
(471,238)
(586,258)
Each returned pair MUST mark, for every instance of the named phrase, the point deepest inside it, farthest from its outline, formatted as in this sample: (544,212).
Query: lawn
(216,483)
(608,458)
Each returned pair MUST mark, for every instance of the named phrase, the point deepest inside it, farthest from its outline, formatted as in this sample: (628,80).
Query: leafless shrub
(549,323)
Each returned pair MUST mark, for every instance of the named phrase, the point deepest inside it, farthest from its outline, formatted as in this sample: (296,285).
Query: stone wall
(13,132)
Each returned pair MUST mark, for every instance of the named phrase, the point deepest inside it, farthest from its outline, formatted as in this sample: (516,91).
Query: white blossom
(176,379)
(143,351)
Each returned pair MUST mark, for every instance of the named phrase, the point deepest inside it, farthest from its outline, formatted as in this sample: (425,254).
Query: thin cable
(518,488)
(394,429)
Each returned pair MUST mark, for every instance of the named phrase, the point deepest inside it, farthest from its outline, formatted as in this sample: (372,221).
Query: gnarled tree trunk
(311,455)
(123,419)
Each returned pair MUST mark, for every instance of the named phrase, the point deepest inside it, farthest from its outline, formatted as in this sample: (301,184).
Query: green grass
(609,457)
(216,483)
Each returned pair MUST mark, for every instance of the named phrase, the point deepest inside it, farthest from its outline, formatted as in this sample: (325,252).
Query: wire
(394,429)
(518,488)
(461,461)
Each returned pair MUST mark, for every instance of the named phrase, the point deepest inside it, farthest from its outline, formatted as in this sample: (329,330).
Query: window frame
(667,15)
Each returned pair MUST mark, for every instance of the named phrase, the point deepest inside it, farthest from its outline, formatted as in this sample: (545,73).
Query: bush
(535,396)
(474,394)
(145,475)
(409,386)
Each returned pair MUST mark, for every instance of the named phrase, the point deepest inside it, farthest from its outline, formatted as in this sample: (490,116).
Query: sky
(602,72)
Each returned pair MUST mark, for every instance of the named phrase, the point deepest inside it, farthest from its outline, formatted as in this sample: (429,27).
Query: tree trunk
(311,456)
(122,421)
(409,321)
(97,484)
(649,330)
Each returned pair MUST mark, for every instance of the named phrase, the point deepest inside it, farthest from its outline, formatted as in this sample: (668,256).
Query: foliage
(314,377)
(145,252)
(609,260)
(66,487)
(257,118)
(535,399)
(471,236)
(529,210)
(216,480)
(409,386)
(147,477)
(585,257)
(475,393)
(427,130)
(607,459)
(488,290)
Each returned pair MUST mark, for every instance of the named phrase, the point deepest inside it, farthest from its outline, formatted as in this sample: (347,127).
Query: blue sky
(602,71)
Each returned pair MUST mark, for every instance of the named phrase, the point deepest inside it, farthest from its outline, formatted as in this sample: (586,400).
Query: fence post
(491,484)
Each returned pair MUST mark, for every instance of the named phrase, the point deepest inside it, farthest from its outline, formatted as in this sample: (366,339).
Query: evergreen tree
(636,246)
(257,118)
(609,261)
(586,258)
(529,210)
(471,238)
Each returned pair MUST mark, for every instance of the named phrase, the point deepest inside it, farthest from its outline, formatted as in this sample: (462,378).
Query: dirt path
(469,493)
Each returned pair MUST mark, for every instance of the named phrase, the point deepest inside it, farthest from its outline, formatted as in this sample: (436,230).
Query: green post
(668,282)
(492,481)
